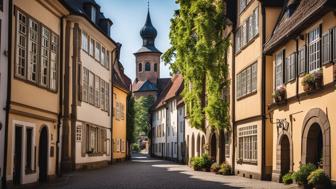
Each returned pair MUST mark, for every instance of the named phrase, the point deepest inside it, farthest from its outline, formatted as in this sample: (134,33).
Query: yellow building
(303,53)
(34,103)
(121,90)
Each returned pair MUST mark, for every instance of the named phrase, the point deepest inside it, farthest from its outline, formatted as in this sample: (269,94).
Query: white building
(3,78)
(165,120)
(181,152)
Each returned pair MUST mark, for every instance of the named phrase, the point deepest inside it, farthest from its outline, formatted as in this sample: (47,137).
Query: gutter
(9,88)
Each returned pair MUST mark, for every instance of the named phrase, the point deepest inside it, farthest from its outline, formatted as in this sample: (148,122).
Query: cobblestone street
(147,173)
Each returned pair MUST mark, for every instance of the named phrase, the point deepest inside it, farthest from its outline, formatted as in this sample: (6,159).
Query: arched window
(155,67)
(140,67)
(147,67)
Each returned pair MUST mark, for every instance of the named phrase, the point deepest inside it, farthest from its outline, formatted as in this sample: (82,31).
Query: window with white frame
(314,50)
(301,60)
(103,56)
(96,138)
(21,47)
(279,69)
(92,47)
(93,14)
(85,84)
(107,96)
(97,88)
(247,137)
(33,50)
(91,88)
(102,94)
(247,81)
(85,42)
(290,67)
(45,52)
(238,33)
(53,62)
(97,51)
(255,19)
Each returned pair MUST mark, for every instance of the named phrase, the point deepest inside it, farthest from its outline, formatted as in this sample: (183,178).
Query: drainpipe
(296,68)
(60,103)
(177,134)
(9,87)
(233,110)
(263,96)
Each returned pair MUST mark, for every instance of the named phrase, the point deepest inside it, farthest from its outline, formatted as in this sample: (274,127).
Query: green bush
(301,175)
(225,169)
(214,167)
(135,147)
(287,178)
(319,179)
(202,163)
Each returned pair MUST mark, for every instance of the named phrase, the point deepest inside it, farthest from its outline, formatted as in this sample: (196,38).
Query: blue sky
(128,17)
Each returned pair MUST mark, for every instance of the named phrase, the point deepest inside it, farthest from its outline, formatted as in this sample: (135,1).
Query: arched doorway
(203,144)
(198,146)
(213,147)
(314,145)
(43,155)
(285,155)
(192,146)
(316,140)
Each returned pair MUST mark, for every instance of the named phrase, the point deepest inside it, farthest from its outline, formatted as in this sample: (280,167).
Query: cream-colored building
(303,44)
(3,80)
(254,22)
(33,139)
(90,54)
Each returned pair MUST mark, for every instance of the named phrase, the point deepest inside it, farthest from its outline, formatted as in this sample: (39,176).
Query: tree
(198,52)
(142,107)
(130,135)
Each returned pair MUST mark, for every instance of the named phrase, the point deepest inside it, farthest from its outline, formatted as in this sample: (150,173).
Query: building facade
(3,80)
(33,138)
(303,45)
(90,54)
(121,90)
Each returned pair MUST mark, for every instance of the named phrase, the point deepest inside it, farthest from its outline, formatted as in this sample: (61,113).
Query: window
(247,31)
(279,69)
(85,84)
(92,47)
(33,50)
(102,94)
(302,60)
(29,150)
(107,96)
(155,67)
(85,45)
(45,51)
(227,144)
(97,88)
(314,50)
(290,67)
(140,67)
(243,4)
(97,51)
(326,48)
(91,88)
(93,14)
(103,55)
(96,139)
(21,35)
(248,143)
(147,67)
(79,133)
(247,81)
(53,62)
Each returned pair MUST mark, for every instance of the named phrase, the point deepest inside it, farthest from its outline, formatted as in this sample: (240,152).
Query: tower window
(140,67)
(147,66)
(155,67)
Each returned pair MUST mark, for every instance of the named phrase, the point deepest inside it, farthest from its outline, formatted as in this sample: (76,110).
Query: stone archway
(213,147)
(316,139)
(43,154)
(285,157)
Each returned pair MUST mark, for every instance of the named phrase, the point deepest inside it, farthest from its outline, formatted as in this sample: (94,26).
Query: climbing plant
(198,52)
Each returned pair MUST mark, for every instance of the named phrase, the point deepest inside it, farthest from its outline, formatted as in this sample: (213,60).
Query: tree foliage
(130,128)
(198,52)
(142,107)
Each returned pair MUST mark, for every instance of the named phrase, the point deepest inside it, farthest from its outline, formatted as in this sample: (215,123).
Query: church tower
(148,56)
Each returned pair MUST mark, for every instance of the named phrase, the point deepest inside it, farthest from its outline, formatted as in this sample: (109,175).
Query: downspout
(263,96)
(166,148)
(177,134)
(117,51)
(60,114)
(297,68)
(233,110)
(9,87)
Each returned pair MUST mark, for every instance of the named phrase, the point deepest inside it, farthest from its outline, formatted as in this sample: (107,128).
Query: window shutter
(325,48)
(334,43)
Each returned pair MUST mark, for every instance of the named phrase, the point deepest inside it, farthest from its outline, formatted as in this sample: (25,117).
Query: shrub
(214,167)
(225,169)
(287,178)
(202,163)
(135,147)
(301,175)
(319,179)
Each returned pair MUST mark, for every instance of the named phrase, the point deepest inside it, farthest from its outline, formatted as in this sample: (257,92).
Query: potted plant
(318,179)
(225,169)
(214,167)
(313,81)
(287,178)
(279,95)
(302,174)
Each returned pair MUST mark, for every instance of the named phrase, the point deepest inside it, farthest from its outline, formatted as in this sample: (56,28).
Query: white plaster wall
(156,122)
(181,130)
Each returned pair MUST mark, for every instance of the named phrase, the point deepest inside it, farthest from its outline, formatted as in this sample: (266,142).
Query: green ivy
(198,52)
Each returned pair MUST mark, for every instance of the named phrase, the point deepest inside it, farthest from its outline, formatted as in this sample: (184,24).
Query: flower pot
(308,88)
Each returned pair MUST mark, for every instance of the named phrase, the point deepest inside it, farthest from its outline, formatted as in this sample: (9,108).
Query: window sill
(247,95)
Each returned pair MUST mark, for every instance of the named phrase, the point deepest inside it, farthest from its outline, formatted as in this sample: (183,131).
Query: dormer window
(93,14)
